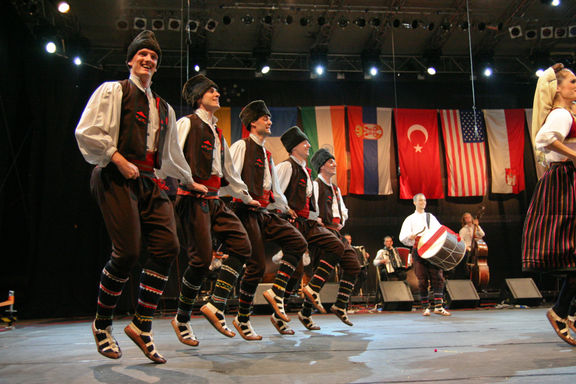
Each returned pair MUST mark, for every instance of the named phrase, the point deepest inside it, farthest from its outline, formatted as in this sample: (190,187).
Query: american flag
(464,139)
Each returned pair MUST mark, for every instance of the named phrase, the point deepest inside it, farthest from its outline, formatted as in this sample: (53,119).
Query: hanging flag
(229,123)
(369,136)
(418,153)
(464,138)
(326,128)
(505,129)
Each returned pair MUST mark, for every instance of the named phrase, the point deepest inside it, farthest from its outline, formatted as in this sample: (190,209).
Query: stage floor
(473,346)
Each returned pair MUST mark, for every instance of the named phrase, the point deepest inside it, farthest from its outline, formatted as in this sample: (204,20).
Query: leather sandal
(314,298)
(245,330)
(184,333)
(560,327)
(106,343)
(217,319)
(308,322)
(281,326)
(144,341)
(342,314)
(277,304)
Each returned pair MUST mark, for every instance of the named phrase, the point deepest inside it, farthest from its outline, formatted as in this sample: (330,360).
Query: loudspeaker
(329,293)
(258,297)
(522,291)
(461,294)
(396,296)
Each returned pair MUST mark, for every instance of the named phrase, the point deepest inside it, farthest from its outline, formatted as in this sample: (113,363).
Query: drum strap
(427,220)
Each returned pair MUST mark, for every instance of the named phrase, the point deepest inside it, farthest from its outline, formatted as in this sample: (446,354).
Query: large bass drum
(441,248)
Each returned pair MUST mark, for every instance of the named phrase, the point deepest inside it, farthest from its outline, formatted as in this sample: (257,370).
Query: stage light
(481,26)
(288,19)
(487,72)
(431,71)
(247,19)
(546,32)
(572,31)
(539,72)
(304,21)
(375,22)
(196,68)
(373,71)
(211,25)
(63,7)
(445,26)
(157,24)
(321,20)
(396,23)
(430,26)
(192,26)
(226,20)
(265,69)
(515,31)
(414,24)
(77,61)
(531,34)
(140,23)
(319,69)
(464,25)
(174,24)
(343,22)
(122,24)
(560,32)
(267,19)
(50,47)
(360,22)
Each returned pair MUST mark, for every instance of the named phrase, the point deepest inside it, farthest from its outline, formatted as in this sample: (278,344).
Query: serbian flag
(464,137)
(418,153)
(369,136)
(326,128)
(505,129)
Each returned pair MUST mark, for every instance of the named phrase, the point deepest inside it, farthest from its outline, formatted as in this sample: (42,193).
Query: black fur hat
(320,158)
(292,137)
(252,112)
(195,88)
(145,39)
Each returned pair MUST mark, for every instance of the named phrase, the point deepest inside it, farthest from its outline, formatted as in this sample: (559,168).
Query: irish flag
(369,131)
(326,128)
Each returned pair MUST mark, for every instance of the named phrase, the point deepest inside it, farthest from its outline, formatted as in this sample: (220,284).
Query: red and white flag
(464,137)
(505,129)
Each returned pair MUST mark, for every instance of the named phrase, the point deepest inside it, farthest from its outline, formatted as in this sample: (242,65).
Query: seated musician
(426,272)
(389,263)
(467,233)
(363,256)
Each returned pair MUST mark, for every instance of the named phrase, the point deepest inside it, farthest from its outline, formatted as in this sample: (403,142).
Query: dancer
(128,131)
(548,242)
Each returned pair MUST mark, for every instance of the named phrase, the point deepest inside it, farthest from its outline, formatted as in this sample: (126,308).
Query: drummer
(428,274)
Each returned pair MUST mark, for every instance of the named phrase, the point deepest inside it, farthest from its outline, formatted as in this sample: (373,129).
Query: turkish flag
(418,153)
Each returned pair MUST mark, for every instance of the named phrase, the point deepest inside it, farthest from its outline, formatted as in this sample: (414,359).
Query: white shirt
(284,171)
(414,224)
(556,127)
(238,151)
(466,234)
(99,127)
(337,199)
(236,186)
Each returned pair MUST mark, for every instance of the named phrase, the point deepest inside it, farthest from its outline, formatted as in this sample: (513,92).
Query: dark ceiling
(401,34)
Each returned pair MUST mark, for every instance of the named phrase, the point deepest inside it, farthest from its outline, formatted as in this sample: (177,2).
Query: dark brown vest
(325,199)
(134,123)
(199,147)
(254,167)
(296,191)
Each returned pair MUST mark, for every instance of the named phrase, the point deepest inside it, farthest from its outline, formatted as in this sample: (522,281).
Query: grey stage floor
(478,346)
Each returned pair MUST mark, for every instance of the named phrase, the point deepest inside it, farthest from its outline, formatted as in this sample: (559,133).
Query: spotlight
(396,23)
(247,19)
(464,25)
(430,26)
(373,71)
(414,24)
(267,19)
(265,69)
(375,22)
(560,32)
(319,69)
(192,26)
(546,32)
(487,72)
(226,20)
(321,20)
(196,67)
(495,27)
(531,34)
(481,26)
(50,47)
(515,31)
(555,3)
(304,21)
(122,24)
(140,23)
(77,61)
(173,24)
(63,7)
(343,22)
(572,31)
(211,25)
(157,24)
(431,71)
(288,19)
(445,26)
(360,22)
(539,72)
